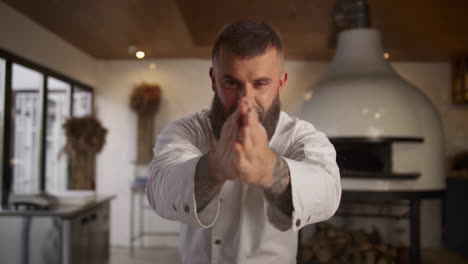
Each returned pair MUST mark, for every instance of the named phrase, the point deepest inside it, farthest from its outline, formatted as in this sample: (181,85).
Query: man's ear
(212,77)
(282,81)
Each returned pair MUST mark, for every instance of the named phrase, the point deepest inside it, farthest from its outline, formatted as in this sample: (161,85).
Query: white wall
(22,36)
(434,79)
(184,91)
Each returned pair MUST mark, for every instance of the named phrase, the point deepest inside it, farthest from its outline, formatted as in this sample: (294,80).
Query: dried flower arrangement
(145,100)
(85,137)
(84,134)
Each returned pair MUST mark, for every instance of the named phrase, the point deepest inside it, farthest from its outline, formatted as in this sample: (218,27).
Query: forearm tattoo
(280,192)
(205,187)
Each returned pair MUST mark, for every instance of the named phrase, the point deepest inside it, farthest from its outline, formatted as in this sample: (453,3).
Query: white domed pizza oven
(387,134)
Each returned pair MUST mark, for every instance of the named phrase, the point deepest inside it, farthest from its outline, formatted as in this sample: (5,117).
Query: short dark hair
(248,38)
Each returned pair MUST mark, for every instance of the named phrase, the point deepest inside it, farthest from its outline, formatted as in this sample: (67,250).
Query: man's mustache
(268,118)
(259,110)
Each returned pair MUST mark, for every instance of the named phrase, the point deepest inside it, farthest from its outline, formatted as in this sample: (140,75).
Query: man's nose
(246,91)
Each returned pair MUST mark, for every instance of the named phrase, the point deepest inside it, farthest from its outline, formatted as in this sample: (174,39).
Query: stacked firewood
(334,245)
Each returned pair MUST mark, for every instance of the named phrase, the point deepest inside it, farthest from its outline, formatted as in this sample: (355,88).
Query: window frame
(5,167)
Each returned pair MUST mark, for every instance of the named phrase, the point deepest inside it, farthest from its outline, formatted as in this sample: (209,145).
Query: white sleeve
(315,180)
(170,188)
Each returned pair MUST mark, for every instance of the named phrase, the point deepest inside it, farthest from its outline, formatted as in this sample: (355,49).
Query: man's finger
(230,127)
(246,139)
(242,163)
(253,118)
(232,119)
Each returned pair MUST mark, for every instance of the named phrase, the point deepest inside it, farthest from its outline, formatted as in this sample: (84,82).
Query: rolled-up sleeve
(171,184)
(315,179)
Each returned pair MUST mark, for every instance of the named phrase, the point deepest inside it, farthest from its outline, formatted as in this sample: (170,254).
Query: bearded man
(244,177)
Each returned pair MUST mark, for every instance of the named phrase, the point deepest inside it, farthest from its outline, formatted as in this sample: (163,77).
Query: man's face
(260,79)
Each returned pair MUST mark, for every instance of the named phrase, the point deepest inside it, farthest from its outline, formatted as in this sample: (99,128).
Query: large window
(34,104)
(2,118)
(82,101)
(25,127)
(58,110)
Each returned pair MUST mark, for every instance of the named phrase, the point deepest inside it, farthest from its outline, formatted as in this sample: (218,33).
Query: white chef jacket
(239,225)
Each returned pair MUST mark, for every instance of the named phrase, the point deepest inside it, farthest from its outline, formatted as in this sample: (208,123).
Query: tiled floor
(121,255)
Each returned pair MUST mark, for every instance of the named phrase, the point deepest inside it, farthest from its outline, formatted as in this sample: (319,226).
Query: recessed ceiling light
(140,54)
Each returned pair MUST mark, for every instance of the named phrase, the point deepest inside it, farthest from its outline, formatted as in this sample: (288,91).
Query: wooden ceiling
(414,30)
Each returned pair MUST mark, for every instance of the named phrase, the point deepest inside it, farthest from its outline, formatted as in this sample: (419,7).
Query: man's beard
(219,114)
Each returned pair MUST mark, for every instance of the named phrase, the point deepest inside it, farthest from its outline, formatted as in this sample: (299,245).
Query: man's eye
(230,84)
(260,84)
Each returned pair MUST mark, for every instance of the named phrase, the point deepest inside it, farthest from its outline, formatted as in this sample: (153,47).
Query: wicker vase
(83,167)
(145,138)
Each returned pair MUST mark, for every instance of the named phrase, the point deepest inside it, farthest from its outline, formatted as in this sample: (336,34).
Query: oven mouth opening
(362,157)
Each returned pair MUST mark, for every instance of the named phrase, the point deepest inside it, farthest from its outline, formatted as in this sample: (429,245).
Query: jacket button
(298,222)
(186,208)
(174,207)
(217,242)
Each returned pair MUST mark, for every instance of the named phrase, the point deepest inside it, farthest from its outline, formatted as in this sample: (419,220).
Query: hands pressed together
(242,150)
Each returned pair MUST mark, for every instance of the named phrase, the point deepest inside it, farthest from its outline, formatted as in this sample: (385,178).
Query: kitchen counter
(65,211)
(66,234)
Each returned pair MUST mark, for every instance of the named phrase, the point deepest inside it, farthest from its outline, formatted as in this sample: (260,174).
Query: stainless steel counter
(62,211)
(64,235)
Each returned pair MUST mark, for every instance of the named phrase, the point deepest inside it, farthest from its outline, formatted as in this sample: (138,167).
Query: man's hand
(255,160)
(218,165)
(243,152)
(258,164)
(222,158)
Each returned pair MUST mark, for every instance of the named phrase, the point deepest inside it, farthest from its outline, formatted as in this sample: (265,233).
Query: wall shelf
(378,175)
(375,139)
